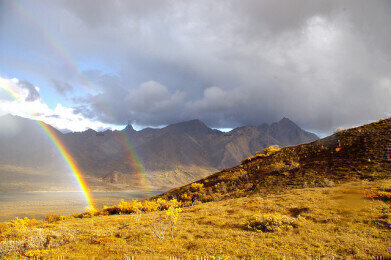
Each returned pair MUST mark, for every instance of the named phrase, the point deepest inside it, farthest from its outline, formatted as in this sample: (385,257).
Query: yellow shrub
(129,207)
(148,206)
(196,187)
(3,228)
(271,222)
(54,218)
(270,150)
(163,204)
(20,224)
(185,197)
(173,203)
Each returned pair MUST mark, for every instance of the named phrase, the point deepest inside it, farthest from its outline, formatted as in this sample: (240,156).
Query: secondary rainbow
(77,173)
(131,154)
(51,40)
(136,162)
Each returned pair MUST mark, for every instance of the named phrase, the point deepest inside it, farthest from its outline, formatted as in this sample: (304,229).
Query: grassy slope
(338,221)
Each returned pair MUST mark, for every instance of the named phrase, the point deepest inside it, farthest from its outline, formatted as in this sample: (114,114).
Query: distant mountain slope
(24,143)
(358,153)
(174,155)
(245,141)
(190,149)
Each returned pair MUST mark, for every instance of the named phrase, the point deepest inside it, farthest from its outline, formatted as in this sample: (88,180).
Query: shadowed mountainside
(353,154)
(172,156)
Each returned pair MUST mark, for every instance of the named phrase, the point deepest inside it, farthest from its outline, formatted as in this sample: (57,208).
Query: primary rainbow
(77,173)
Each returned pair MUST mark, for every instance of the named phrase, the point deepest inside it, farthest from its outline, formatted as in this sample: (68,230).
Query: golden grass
(337,221)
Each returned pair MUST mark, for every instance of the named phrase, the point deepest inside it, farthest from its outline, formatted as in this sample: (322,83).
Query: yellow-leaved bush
(22,223)
(136,206)
(271,222)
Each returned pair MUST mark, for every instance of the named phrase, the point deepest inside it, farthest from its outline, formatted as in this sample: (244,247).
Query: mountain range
(171,156)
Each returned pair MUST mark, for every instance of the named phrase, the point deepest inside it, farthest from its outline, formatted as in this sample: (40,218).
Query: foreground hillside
(343,221)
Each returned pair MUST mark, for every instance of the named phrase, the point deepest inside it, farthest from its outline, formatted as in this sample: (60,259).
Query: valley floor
(329,222)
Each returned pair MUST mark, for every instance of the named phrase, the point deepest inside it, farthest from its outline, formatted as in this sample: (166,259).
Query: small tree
(159,229)
(167,220)
(136,207)
(172,215)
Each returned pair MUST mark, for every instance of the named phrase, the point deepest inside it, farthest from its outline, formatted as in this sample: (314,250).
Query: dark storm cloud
(323,64)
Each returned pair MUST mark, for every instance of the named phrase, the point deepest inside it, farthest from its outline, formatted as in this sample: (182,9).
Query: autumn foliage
(136,206)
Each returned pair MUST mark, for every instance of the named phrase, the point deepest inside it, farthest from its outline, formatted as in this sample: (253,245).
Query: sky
(103,64)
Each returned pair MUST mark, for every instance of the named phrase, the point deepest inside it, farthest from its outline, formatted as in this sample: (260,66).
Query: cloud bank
(26,102)
(323,64)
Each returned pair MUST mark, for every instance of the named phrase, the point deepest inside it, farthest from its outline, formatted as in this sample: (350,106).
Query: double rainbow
(72,165)
(69,62)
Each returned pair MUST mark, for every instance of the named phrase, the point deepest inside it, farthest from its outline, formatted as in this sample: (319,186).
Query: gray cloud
(33,94)
(152,103)
(323,64)
(62,87)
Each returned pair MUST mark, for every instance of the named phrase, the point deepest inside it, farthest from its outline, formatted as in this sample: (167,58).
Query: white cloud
(61,117)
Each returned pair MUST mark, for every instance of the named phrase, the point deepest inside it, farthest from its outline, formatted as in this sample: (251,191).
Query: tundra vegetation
(347,220)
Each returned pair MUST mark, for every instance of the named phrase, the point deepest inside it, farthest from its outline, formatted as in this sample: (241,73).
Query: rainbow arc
(71,163)
(69,62)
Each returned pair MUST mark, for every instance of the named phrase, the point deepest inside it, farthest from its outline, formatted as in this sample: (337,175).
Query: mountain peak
(286,122)
(196,123)
(89,131)
(129,128)
(194,126)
